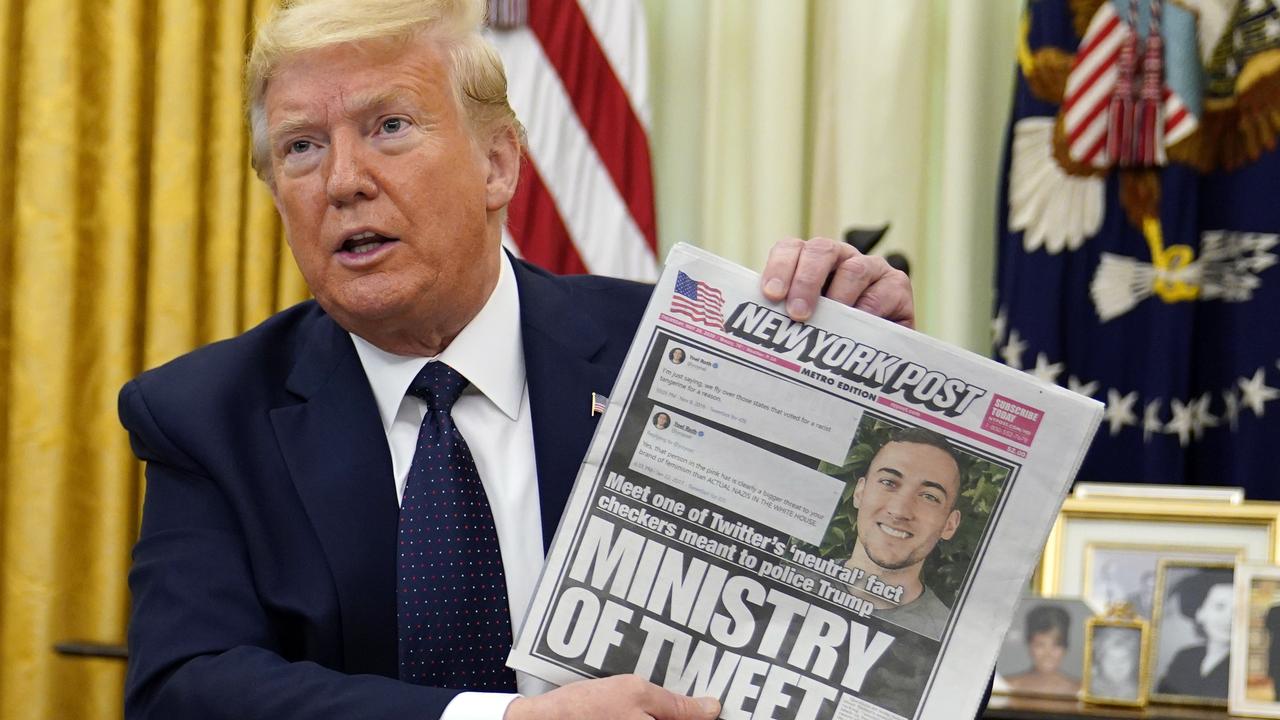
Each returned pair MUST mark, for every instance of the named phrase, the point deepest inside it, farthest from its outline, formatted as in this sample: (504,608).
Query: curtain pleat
(45,229)
(10,23)
(132,230)
(753,156)
(808,117)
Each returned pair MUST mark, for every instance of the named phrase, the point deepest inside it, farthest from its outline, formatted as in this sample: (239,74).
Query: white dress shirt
(493,415)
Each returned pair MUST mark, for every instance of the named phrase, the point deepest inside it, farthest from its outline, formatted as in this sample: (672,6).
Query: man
(906,503)
(268,579)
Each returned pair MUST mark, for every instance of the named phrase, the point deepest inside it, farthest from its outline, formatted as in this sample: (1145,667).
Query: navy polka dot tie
(455,625)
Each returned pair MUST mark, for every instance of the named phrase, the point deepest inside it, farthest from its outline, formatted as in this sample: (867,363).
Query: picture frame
(1043,652)
(1153,491)
(1254,689)
(1127,572)
(1191,633)
(1116,663)
(1250,529)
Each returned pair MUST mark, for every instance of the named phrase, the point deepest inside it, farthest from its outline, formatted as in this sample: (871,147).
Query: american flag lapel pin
(598,404)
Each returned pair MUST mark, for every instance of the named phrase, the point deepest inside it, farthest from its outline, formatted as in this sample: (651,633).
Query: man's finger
(853,275)
(890,297)
(818,258)
(775,281)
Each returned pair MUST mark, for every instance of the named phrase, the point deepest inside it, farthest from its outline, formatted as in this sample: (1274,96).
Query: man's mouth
(893,532)
(365,242)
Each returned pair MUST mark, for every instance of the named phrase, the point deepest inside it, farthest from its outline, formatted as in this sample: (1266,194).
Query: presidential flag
(1138,231)
(698,301)
(577,74)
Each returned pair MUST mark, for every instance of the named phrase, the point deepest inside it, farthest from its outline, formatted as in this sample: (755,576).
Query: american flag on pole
(697,301)
(577,74)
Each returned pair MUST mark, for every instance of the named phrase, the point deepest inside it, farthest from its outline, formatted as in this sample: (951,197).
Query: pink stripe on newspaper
(952,427)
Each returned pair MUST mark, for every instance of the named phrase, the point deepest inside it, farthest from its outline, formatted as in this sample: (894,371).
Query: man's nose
(899,506)
(349,179)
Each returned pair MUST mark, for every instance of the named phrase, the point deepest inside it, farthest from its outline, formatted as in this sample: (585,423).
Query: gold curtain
(131,231)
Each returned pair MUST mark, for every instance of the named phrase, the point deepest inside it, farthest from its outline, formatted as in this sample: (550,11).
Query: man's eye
(933,498)
(299,146)
(393,125)
(888,482)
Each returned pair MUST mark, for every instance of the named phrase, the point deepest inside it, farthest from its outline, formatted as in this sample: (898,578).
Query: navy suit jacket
(264,576)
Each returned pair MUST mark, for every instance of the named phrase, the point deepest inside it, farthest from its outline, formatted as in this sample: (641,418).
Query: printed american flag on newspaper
(697,301)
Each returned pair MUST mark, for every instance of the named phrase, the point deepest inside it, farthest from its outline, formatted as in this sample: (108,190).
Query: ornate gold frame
(1144,670)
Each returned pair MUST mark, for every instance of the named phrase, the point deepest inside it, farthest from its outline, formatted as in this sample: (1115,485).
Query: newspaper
(822,520)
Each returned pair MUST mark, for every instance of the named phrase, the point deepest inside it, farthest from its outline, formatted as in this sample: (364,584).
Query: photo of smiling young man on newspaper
(831,519)
(914,509)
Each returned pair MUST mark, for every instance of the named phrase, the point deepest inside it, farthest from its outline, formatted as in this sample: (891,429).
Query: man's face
(389,203)
(906,503)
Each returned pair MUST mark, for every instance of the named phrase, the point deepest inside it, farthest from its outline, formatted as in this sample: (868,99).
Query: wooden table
(1011,708)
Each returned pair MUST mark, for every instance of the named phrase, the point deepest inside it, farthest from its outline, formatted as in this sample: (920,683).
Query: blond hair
(478,78)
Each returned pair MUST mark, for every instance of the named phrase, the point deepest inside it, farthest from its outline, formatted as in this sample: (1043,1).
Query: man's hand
(798,270)
(624,697)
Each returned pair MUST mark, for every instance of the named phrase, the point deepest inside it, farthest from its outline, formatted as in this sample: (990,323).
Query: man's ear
(951,525)
(857,492)
(504,169)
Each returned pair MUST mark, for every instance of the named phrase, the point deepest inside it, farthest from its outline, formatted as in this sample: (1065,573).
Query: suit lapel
(561,347)
(337,454)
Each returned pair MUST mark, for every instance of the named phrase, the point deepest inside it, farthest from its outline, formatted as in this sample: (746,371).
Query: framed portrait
(1254,687)
(1190,652)
(1127,572)
(1094,534)
(1115,671)
(1043,653)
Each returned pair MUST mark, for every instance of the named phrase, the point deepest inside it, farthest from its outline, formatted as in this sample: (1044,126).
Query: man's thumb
(706,707)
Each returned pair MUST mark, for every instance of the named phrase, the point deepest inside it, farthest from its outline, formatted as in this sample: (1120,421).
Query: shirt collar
(487,353)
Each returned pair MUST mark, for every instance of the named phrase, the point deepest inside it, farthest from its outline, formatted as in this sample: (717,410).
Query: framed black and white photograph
(1043,653)
(1116,667)
(1191,632)
(1254,686)
(1127,572)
